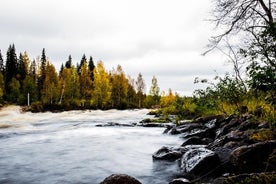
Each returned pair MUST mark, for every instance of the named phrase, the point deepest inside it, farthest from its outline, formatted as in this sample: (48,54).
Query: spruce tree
(42,76)
(2,67)
(11,66)
(68,63)
(91,68)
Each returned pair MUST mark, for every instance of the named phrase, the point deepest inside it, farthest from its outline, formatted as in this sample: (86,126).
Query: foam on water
(67,147)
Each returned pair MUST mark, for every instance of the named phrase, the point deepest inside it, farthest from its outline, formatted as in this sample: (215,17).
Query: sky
(161,38)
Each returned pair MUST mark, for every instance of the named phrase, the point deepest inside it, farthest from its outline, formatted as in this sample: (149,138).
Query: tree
(50,91)
(140,87)
(23,67)
(70,86)
(68,63)
(119,88)
(2,87)
(102,87)
(91,68)
(14,91)
(250,16)
(154,92)
(131,93)
(29,87)
(85,81)
(2,67)
(42,77)
(168,99)
(11,67)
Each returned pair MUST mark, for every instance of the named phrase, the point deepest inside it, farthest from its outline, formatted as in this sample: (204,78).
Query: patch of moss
(263,135)
(267,178)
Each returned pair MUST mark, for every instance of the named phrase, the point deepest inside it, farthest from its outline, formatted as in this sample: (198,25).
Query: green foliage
(14,87)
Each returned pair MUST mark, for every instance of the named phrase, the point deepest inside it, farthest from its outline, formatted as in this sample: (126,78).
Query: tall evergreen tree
(68,63)
(2,67)
(91,68)
(22,68)
(42,76)
(11,66)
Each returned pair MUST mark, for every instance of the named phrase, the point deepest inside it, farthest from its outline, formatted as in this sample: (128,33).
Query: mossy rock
(267,178)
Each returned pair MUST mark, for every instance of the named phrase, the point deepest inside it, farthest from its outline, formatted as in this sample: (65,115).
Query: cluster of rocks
(218,149)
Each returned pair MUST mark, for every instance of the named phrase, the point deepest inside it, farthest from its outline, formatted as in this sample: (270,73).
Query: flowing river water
(68,147)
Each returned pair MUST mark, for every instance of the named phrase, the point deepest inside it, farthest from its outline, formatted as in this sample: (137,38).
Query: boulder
(252,158)
(167,153)
(199,161)
(120,179)
(195,140)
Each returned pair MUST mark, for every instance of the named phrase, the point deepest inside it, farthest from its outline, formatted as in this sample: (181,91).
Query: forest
(81,86)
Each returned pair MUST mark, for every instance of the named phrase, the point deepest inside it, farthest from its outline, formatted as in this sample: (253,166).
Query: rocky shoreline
(220,150)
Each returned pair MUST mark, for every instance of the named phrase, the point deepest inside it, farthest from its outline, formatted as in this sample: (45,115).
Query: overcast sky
(164,38)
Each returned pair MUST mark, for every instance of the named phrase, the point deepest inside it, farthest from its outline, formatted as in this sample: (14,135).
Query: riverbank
(222,150)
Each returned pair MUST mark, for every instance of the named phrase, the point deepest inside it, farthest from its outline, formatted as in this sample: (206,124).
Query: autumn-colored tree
(102,87)
(70,86)
(85,81)
(50,91)
(168,99)
(119,84)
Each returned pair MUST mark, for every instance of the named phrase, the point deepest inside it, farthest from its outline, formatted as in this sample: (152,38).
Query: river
(68,147)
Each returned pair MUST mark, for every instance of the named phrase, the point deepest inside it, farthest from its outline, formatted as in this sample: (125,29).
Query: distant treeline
(84,85)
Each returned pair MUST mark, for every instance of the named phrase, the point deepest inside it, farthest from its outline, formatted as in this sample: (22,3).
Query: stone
(167,153)
(120,179)
(252,158)
(195,140)
(199,161)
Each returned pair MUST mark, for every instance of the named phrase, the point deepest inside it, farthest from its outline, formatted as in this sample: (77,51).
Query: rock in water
(120,179)
(199,161)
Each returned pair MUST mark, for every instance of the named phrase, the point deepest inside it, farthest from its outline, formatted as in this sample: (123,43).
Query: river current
(68,147)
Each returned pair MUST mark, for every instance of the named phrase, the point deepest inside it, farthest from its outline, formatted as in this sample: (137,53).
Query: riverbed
(68,147)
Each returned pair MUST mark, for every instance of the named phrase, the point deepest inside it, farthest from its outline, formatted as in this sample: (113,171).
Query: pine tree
(2,67)
(42,76)
(68,63)
(91,68)
(22,67)
(11,66)
(154,92)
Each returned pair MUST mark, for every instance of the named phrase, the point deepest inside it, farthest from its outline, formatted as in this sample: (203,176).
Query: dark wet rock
(120,179)
(252,158)
(199,161)
(180,181)
(203,133)
(185,128)
(246,125)
(195,140)
(167,153)
(173,153)
(271,162)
